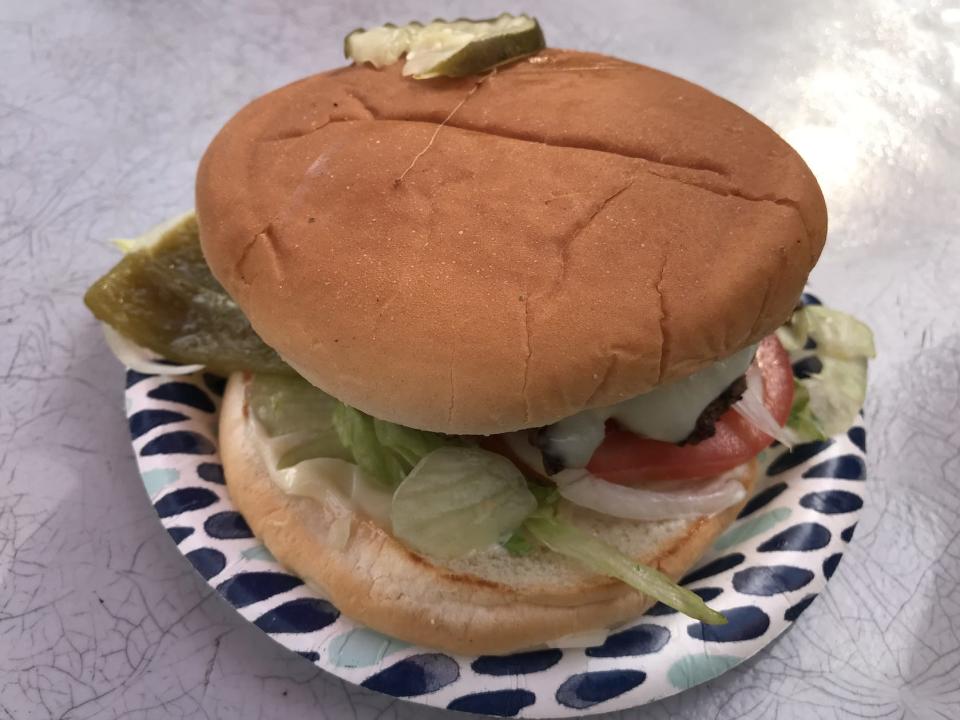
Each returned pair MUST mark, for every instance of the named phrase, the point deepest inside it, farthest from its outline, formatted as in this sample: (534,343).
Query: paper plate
(763,572)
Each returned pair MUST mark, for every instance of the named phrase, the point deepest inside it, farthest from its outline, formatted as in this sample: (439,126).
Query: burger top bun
(579,230)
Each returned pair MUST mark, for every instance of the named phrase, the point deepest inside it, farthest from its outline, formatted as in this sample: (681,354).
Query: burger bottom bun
(489,602)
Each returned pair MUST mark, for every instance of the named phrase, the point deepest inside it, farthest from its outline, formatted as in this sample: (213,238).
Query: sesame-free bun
(581,229)
(485,602)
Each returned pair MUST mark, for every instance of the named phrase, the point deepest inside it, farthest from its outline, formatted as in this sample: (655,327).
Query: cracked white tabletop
(105,109)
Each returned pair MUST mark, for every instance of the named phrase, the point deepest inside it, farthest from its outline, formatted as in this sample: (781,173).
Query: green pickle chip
(449,49)
(163,296)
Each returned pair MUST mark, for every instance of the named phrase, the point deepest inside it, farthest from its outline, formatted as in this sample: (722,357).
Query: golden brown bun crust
(379,582)
(582,229)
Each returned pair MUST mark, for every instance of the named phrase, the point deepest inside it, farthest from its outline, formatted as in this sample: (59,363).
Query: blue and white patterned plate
(763,572)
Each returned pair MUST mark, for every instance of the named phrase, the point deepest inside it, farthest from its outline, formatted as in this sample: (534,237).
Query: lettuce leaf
(289,408)
(545,527)
(409,445)
(827,402)
(387,462)
(837,393)
(458,499)
(837,334)
(802,425)
(520,543)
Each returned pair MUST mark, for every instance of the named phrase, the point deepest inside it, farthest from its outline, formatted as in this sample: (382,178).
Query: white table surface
(105,108)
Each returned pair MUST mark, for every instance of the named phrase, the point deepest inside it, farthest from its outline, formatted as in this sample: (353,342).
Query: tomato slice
(627,459)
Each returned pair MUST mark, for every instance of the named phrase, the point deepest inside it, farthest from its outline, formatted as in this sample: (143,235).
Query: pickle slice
(163,296)
(379,46)
(451,49)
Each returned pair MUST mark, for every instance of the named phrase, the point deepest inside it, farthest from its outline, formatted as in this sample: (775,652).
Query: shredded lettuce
(386,451)
(545,527)
(520,543)
(566,539)
(458,499)
(547,498)
(802,425)
(827,402)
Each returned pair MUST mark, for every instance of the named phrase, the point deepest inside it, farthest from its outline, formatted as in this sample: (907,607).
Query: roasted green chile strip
(164,297)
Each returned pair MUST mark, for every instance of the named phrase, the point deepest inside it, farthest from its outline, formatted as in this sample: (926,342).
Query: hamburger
(505,332)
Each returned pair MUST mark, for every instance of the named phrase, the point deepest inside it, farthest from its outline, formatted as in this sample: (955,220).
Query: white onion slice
(751,408)
(683,499)
(140,358)
(587,490)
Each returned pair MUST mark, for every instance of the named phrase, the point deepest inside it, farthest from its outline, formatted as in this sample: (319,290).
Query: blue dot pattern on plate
(207,561)
(587,689)
(185,394)
(830,565)
(211,472)
(133,377)
(847,533)
(298,616)
(184,500)
(715,567)
(247,588)
(762,499)
(227,525)
(743,623)
(518,663)
(179,533)
(178,442)
(416,675)
(499,703)
(858,436)
(770,580)
(832,502)
(799,455)
(794,611)
(763,572)
(144,421)
(846,467)
(799,537)
(639,640)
